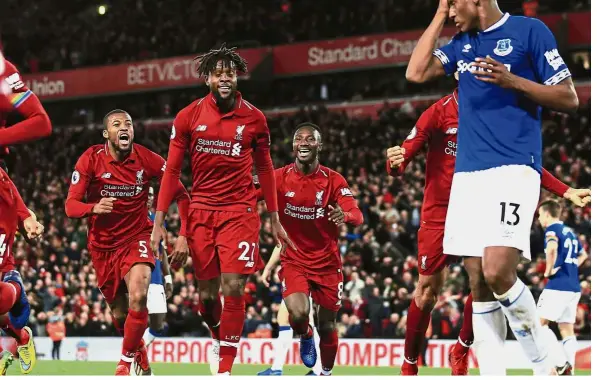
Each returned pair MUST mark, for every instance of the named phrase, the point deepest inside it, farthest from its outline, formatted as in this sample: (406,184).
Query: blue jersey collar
(501,22)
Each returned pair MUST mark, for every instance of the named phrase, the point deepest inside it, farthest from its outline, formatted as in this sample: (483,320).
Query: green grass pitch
(46,367)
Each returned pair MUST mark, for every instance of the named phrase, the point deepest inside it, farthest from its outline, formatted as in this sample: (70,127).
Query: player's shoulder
(191,108)
(331,174)
(524,25)
(10,68)
(144,152)
(246,107)
(554,229)
(95,150)
(284,170)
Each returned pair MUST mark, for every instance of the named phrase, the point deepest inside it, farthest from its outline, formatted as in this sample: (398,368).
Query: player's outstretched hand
(33,229)
(395,155)
(580,197)
(336,214)
(491,71)
(179,255)
(280,235)
(158,234)
(104,206)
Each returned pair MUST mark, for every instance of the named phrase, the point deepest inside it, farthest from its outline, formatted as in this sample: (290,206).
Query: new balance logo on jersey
(239,132)
(504,47)
(164,167)
(466,48)
(173,133)
(451,131)
(290,194)
(201,128)
(15,82)
(554,59)
(106,175)
(346,192)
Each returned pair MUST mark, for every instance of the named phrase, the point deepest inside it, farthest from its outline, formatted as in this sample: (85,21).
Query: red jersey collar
(297,171)
(132,157)
(241,108)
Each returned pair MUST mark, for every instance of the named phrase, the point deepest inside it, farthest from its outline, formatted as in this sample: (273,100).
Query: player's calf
(328,344)
(233,318)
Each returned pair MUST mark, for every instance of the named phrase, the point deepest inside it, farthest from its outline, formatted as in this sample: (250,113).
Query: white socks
(317,367)
(489,327)
(519,307)
(148,337)
(570,347)
(556,351)
(281,346)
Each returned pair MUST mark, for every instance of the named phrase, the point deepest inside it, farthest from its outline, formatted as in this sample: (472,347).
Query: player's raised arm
(555,89)
(424,63)
(37,122)
(398,157)
(74,206)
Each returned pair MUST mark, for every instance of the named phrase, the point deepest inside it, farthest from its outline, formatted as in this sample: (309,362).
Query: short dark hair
(308,124)
(552,207)
(113,112)
(229,56)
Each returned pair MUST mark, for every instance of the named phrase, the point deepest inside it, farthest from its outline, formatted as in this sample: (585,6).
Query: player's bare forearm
(160,217)
(274,259)
(550,258)
(165,264)
(582,258)
(423,66)
(560,97)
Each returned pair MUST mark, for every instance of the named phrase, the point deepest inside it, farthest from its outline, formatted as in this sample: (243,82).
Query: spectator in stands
(56,331)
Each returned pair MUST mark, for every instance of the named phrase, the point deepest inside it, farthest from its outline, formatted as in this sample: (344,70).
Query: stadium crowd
(379,256)
(76,34)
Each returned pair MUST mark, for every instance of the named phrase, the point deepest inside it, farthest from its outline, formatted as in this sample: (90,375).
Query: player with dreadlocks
(225,135)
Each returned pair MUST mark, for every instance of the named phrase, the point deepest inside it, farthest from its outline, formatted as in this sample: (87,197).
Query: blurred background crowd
(379,256)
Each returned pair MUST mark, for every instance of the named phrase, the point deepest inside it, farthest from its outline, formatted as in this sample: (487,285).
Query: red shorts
(224,242)
(326,288)
(431,251)
(112,266)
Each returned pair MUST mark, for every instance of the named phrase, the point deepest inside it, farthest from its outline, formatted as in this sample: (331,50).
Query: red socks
(9,292)
(328,346)
(118,325)
(231,328)
(134,327)
(211,311)
(417,323)
(466,335)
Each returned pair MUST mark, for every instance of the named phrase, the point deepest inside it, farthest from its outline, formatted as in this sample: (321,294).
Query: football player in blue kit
(160,289)
(564,254)
(509,68)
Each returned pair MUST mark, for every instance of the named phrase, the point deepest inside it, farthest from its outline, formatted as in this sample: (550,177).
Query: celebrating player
(115,179)
(14,307)
(225,135)
(438,127)
(160,289)
(285,335)
(14,95)
(558,301)
(314,266)
(509,68)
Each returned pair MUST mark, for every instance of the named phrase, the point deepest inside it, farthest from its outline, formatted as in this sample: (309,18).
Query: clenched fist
(104,206)
(396,156)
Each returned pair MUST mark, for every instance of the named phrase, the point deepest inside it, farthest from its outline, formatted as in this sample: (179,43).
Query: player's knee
(498,280)
(234,287)
(137,299)
(426,295)
(299,314)
(326,328)
(206,296)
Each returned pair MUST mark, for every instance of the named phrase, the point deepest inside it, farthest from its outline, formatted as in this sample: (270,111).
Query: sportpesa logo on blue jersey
(499,126)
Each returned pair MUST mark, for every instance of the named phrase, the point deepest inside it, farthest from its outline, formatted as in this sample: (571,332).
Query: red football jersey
(304,201)
(14,95)
(223,148)
(98,175)
(12,211)
(437,127)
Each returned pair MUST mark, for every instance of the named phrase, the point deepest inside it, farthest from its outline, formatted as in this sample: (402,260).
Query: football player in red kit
(115,177)
(438,127)
(316,200)
(225,135)
(14,95)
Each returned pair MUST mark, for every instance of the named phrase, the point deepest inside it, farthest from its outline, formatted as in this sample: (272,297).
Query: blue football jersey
(498,126)
(156,274)
(566,265)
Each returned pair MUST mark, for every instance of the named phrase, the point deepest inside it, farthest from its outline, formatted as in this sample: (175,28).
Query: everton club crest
(503,48)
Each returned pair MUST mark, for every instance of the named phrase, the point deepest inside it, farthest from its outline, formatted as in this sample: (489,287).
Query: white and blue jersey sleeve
(447,54)
(548,65)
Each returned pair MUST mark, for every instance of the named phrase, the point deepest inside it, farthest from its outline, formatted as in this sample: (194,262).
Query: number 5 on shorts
(143,248)
(245,246)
